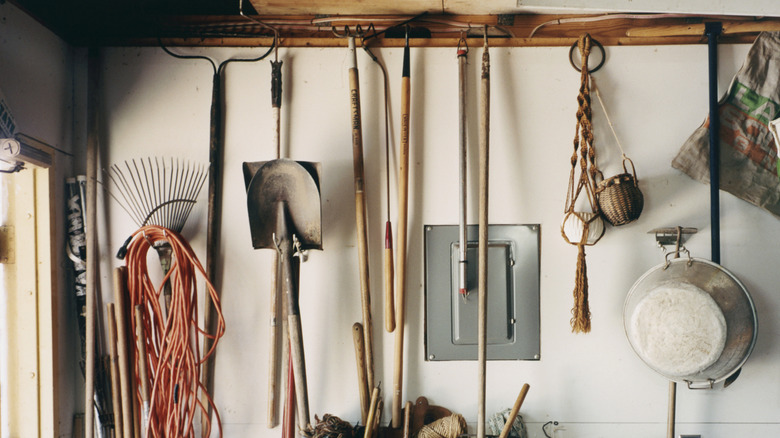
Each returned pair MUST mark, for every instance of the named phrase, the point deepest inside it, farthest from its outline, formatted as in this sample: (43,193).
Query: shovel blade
(294,183)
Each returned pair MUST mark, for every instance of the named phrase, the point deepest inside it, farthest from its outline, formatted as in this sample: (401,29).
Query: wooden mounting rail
(519,30)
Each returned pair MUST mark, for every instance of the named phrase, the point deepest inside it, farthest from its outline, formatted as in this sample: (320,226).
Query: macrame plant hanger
(582,228)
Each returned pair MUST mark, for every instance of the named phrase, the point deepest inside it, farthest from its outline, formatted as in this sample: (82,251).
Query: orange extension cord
(172,345)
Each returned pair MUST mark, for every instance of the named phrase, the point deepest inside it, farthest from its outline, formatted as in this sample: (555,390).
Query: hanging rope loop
(582,228)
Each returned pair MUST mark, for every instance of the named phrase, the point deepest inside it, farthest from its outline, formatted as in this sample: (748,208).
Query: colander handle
(708,384)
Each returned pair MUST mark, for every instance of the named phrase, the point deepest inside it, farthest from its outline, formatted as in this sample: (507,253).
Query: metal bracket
(672,235)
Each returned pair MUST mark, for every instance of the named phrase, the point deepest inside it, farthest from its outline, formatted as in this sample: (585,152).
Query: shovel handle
(274,346)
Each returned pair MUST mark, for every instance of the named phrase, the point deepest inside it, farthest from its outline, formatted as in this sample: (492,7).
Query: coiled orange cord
(172,344)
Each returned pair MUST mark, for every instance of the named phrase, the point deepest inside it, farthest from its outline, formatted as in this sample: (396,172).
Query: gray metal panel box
(513,294)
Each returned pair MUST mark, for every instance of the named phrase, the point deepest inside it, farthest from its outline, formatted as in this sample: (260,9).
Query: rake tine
(126,205)
(157,190)
(127,191)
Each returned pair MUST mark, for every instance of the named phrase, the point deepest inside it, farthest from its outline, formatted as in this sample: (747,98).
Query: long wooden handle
(288,423)
(360,211)
(484,155)
(123,355)
(274,346)
(407,432)
(370,421)
(388,276)
(91,239)
(115,378)
(513,413)
(213,230)
(299,368)
(360,357)
(672,409)
(143,369)
(403,200)
(697,29)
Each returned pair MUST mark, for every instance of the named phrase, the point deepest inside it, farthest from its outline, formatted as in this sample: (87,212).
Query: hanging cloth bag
(582,228)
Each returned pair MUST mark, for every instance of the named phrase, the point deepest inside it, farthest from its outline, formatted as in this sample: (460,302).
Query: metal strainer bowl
(728,293)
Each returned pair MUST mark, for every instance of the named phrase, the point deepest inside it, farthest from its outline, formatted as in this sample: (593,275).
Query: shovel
(283,201)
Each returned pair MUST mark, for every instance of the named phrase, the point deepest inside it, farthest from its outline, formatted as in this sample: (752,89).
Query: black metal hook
(591,70)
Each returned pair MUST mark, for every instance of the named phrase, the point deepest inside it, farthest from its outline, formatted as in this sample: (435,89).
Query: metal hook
(298,251)
(591,70)
(462,42)
(359,33)
(544,427)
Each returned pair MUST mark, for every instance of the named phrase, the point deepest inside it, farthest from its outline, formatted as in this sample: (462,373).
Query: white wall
(594,385)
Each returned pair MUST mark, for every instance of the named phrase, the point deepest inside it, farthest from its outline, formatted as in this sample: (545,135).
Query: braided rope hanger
(585,182)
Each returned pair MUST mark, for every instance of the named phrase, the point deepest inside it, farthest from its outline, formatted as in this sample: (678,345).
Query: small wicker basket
(619,197)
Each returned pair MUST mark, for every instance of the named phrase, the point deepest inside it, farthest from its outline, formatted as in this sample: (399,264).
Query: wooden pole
(123,356)
(115,376)
(403,201)
(360,211)
(91,240)
(484,154)
(360,356)
(513,413)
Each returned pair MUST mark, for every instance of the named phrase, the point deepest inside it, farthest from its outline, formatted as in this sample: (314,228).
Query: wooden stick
(388,276)
(670,420)
(360,356)
(729,27)
(513,413)
(91,239)
(403,200)
(484,154)
(360,211)
(212,239)
(115,376)
(370,421)
(143,370)
(123,356)
(407,420)
(288,422)
(274,346)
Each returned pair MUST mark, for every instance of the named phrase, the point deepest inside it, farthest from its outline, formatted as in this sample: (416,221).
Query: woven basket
(620,199)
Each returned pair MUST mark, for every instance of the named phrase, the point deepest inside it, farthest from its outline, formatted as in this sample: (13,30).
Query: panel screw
(431,357)
(536,356)
(428,228)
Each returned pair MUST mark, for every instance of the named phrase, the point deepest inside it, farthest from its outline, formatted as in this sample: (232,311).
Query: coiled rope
(448,427)
(172,344)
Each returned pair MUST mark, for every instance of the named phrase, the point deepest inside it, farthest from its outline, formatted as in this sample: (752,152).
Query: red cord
(172,345)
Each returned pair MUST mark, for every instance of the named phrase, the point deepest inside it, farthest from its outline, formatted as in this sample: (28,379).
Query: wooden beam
(445,30)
